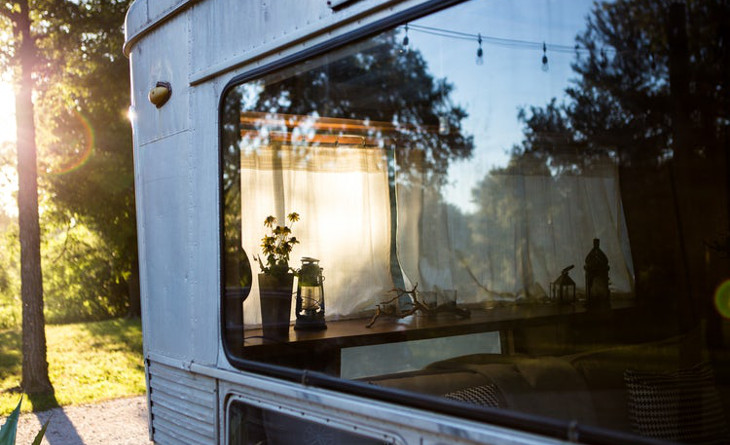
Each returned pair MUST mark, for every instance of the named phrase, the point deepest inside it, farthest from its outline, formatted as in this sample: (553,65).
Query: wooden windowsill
(389,329)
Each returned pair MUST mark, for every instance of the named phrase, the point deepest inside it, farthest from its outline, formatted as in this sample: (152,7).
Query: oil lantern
(562,290)
(310,296)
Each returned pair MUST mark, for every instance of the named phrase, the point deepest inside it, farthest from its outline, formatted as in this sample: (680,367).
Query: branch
(387,308)
(9,14)
(65,244)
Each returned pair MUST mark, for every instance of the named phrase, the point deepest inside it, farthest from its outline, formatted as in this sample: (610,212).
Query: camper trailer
(433,221)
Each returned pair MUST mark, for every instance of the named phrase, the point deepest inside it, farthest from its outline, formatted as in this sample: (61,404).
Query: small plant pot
(276,297)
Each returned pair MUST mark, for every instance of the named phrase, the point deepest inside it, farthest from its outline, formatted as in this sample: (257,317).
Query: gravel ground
(119,421)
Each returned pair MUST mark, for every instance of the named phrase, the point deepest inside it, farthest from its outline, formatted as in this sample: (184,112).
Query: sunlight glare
(7,113)
(8,173)
(8,190)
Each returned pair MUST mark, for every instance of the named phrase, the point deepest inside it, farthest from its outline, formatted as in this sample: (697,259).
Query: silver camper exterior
(467,263)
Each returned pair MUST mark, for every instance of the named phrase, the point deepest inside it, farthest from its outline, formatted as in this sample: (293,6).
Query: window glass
(250,425)
(512,204)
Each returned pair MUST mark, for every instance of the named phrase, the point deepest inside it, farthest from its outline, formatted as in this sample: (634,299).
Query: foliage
(277,246)
(9,279)
(10,428)
(23,61)
(42,432)
(80,283)
(46,44)
(621,103)
(658,106)
(404,104)
(88,362)
(85,160)
(404,95)
(87,144)
(237,267)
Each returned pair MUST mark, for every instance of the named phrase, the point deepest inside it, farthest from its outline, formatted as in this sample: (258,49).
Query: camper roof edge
(138,22)
(303,36)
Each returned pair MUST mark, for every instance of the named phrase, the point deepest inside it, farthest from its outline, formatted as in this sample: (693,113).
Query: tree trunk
(135,309)
(35,366)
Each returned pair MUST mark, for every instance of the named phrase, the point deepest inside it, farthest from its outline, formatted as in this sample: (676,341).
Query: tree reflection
(373,92)
(652,95)
(383,85)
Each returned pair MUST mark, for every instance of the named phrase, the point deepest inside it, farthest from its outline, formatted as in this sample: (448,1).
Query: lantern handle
(567,269)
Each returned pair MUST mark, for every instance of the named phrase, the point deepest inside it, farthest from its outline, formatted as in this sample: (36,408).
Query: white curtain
(341,194)
(527,228)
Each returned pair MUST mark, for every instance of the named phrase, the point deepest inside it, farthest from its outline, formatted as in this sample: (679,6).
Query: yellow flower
(269,221)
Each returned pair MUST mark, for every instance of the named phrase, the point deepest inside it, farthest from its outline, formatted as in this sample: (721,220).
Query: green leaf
(10,428)
(41,433)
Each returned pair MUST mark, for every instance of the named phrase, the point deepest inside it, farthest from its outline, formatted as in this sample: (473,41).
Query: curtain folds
(526,229)
(341,195)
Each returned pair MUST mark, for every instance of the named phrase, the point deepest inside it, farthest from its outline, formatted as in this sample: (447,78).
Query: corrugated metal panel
(183,406)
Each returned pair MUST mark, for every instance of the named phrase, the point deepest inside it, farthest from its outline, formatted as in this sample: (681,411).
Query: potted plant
(276,279)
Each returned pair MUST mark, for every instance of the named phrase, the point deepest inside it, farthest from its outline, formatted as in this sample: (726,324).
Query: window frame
(552,428)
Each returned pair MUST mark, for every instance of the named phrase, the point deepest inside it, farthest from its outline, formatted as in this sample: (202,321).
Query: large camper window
(510,204)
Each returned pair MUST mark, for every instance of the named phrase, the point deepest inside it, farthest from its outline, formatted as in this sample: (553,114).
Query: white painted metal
(199,46)
(402,424)
(176,145)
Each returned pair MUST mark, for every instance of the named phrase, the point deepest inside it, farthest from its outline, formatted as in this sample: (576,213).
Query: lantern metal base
(313,322)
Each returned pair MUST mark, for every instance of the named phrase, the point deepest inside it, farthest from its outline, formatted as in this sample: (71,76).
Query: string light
(576,49)
(511,43)
(604,59)
(480,51)
(404,47)
(444,126)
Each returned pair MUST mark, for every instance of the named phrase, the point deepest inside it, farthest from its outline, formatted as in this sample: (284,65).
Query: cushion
(603,371)
(482,395)
(435,382)
(545,386)
(682,405)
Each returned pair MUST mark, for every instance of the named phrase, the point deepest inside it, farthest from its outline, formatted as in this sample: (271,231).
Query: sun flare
(8,174)
(7,113)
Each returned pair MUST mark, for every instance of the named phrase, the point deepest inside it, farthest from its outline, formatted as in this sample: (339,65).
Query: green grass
(87,362)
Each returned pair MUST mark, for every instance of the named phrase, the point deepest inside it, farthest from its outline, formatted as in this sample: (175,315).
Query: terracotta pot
(276,296)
